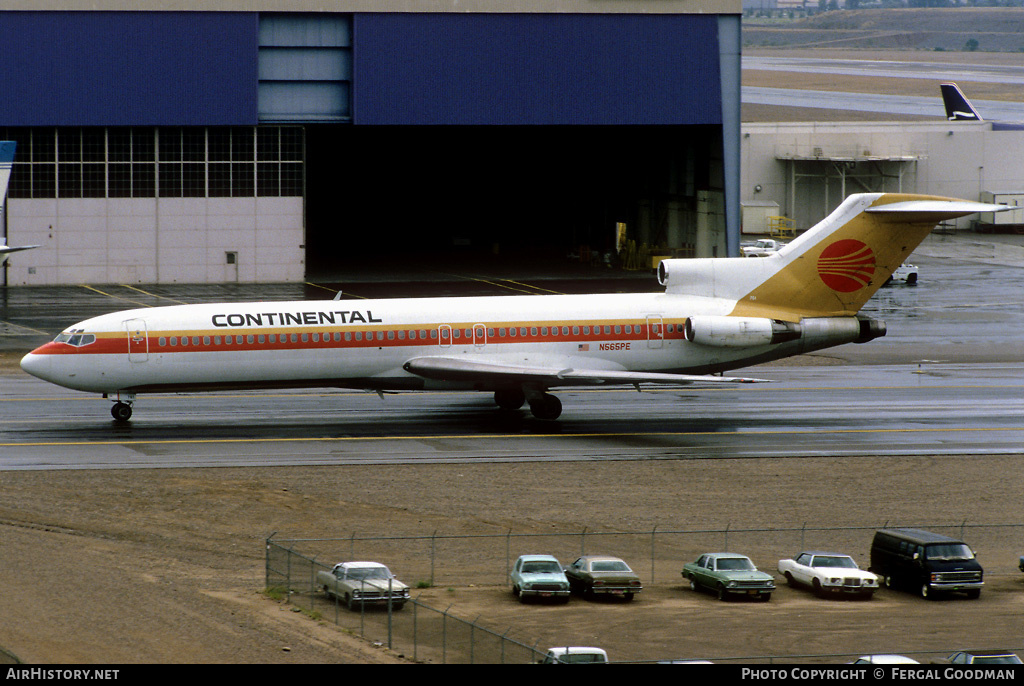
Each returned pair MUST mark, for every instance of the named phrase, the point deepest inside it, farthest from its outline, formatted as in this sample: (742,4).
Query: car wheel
(790,580)
(817,588)
(766,597)
(925,591)
(693,585)
(627,596)
(721,592)
(889,583)
(515,591)
(974,593)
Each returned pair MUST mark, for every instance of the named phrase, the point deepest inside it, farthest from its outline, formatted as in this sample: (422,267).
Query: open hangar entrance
(545,198)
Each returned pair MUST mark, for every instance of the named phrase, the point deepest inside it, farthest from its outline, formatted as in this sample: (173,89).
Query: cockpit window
(76,338)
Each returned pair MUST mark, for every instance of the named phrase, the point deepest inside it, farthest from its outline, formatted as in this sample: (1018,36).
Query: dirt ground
(167,566)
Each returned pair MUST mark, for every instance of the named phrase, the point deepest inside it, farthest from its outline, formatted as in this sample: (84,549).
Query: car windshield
(948,551)
(368,573)
(609,566)
(541,567)
(1008,659)
(740,564)
(834,561)
(581,658)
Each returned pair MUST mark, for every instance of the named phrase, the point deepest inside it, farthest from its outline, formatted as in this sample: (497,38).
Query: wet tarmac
(947,379)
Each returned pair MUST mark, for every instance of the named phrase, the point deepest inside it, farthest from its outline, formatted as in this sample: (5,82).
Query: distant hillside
(988,29)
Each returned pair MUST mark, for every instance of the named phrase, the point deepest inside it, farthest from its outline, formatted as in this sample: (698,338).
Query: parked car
(539,576)
(828,574)
(603,575)
(926,562)
(575,655)
(760,248)
(983,657)
(1020,563)
(884,660)
(360,583)
(729,574)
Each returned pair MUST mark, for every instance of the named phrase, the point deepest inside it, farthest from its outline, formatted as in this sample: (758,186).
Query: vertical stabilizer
(958,107)
(837,265)
(828,271)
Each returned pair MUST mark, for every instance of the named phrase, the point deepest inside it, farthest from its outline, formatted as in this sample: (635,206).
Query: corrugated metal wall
(616,69)
(128,68)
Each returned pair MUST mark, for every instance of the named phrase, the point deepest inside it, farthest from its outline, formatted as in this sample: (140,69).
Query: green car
(728,574)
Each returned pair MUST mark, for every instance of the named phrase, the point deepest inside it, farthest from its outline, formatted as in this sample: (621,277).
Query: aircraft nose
(37,365)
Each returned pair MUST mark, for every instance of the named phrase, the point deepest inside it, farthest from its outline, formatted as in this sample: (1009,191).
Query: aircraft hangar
(213,142)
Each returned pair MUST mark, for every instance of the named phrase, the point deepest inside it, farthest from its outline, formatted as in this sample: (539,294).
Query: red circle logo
(846,265)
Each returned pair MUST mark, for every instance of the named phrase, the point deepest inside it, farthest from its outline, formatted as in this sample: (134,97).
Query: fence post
(415,630)
(433,554)
(654,532)
(444,635)
(508,554)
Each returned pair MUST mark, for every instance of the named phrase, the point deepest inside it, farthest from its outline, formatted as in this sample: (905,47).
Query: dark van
(926,562)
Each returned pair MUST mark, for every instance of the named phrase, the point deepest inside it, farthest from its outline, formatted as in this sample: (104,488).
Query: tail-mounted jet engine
(739,332)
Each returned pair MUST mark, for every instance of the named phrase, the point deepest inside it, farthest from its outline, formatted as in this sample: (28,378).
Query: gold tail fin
(836,266)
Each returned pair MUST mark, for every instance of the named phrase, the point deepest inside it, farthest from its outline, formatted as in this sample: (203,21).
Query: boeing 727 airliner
(716,314)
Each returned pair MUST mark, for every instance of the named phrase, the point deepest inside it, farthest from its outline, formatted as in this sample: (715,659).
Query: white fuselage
(364,344)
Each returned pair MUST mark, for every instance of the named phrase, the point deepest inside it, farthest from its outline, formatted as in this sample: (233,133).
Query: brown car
(592,575)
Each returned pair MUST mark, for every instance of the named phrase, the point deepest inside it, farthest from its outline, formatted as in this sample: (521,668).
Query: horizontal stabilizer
(943,209)
(489,373)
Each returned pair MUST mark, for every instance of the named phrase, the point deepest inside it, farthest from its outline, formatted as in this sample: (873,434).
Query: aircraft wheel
(546,407)
(510,399)
(121,412)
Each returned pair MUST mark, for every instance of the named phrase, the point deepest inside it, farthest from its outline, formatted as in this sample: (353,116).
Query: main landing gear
(542,405)
(121,410)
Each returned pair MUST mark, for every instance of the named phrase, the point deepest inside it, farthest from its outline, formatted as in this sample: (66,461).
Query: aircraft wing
(4,249)
(498,373)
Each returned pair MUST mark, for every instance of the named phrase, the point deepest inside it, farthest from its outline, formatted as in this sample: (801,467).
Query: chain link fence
(431,634)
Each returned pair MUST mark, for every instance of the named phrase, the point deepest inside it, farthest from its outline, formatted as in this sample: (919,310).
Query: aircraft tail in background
(958,107)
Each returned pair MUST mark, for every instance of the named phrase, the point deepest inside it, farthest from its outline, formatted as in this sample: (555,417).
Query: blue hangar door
(493,136)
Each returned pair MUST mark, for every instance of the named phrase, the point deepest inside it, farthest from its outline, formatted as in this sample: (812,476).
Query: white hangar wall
(159,240)
(808,168)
